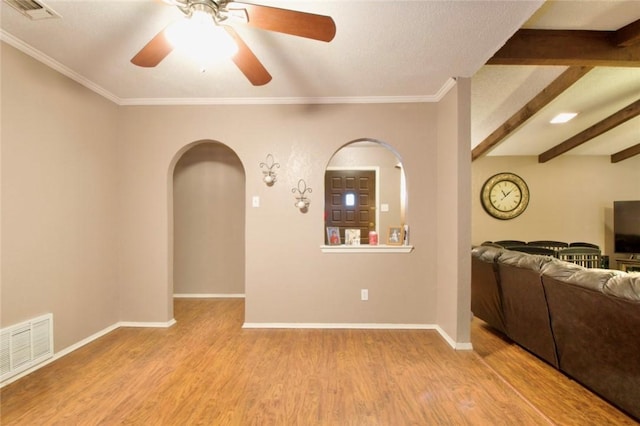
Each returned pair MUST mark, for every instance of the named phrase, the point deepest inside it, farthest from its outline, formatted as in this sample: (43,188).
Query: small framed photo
(352,237)
(395,236)
(333,235)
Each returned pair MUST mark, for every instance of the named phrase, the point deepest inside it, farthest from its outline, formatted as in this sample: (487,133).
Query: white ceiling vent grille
(33,9)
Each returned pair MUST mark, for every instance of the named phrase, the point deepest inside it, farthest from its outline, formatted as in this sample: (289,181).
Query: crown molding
(278,101)
(448,85)
(64,70)
(52,63)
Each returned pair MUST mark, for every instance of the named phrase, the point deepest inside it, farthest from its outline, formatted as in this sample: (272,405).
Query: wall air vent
(25,345)
(33,9)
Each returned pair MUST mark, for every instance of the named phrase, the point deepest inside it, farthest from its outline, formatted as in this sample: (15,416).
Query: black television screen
(626,226)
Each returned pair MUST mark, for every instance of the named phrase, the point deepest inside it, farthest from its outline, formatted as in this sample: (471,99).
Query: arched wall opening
(346,185)
(208,205)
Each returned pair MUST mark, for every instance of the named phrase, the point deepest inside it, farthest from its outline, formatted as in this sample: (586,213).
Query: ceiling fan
(224,13)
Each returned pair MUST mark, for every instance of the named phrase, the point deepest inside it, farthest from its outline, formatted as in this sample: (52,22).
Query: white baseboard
(208,296)
(147,324)
(365,326)
(61,353)
(86,341)
(459,346)
(371,326)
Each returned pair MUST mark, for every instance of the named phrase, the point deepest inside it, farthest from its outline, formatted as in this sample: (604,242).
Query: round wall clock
(505,196)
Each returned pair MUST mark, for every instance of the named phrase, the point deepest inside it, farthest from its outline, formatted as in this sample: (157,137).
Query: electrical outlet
(364,294)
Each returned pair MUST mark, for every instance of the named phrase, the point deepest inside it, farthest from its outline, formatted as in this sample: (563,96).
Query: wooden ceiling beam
(628,35)
(552,91)
(625,114)
(625,153)
(570,47)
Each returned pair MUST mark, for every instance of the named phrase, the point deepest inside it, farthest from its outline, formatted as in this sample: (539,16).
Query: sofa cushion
(486,253)
(571,273)
(523,260)
(560,269)
(625,286)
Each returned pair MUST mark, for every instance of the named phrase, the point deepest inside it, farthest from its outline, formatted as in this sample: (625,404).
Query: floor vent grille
(24,345)
(33,9)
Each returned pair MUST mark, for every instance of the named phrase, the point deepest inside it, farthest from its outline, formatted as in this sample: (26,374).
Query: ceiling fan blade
(301,24)
(154,51)
(247,61)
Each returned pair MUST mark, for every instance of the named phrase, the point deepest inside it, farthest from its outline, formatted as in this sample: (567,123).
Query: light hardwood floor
(207,370)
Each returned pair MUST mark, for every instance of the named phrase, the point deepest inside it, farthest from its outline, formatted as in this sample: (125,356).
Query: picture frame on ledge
(395,237)
(352,237)
(333,235)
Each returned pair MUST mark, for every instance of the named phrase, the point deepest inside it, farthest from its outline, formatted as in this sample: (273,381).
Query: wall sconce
(269,175)
(303,202)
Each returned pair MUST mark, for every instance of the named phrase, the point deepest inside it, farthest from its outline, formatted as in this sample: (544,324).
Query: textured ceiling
(381,49)
(384,51)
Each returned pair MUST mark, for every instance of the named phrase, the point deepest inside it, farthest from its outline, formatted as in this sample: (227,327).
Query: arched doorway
(208,222)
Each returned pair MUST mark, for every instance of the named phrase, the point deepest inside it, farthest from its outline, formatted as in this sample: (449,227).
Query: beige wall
(453,214)
(59,201)
(288,278)
(571,198)
(88,207)
(209,211)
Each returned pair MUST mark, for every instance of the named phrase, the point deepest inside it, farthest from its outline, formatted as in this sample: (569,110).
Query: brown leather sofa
(595,316)
(525,307)
(486,295)
(585,322)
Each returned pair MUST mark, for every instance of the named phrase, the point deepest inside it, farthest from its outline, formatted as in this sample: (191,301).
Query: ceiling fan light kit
(195,37)
(206,15)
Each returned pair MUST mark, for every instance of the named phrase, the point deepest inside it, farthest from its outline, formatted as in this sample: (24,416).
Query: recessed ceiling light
(563,117)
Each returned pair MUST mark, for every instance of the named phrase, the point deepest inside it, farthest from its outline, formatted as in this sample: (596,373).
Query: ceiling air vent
(33,9)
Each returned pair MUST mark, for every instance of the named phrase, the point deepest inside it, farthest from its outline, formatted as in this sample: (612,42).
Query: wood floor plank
(207,370)
(560,398)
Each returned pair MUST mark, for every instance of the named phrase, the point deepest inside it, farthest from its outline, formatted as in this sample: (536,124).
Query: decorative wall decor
(505,196)
(333,235)
(395,236)
(270,176)
(302,201)
(352,237)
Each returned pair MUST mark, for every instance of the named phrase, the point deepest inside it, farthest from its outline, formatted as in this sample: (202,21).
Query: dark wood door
(350,201)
